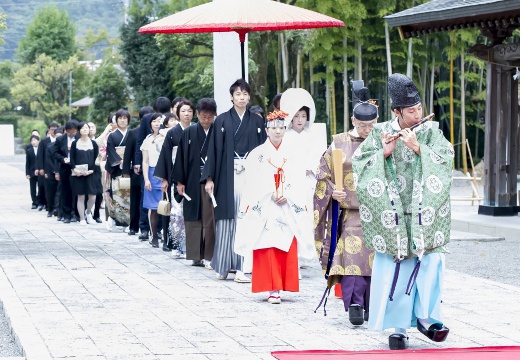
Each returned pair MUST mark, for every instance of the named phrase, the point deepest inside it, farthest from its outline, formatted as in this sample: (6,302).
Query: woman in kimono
(344,259)
(270,213)
(151,148)
(308,141)
(117,200)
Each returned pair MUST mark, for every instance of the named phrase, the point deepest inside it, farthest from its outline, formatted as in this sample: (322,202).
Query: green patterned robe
(419,188)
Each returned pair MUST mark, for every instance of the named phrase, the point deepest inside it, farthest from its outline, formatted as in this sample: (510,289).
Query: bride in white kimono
(308,142)
(268,230)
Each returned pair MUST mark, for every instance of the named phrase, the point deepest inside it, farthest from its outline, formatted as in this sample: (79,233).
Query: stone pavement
(86,293)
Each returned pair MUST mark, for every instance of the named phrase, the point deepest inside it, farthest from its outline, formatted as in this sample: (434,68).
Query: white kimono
(261,222)
(307,146)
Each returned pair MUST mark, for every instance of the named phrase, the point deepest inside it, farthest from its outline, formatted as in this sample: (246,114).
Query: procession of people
(255,200)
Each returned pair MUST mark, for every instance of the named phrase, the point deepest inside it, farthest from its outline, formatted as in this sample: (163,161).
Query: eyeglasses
(365,126)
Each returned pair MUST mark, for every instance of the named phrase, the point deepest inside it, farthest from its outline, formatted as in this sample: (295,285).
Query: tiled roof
(441,15)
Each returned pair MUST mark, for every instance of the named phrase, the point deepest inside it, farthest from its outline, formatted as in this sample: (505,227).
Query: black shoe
(55,212)
(34,207)
(154,244)
(436,332)
(41,207)
(66,221)
(355,314)
(49,214)
(98,220)
(131,232)
(143,236)
(398,341)
(166,248)
(198,263)
(365,317)
(59,218)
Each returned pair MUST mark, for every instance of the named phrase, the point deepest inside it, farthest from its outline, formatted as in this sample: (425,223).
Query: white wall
(227,66)
(7,143)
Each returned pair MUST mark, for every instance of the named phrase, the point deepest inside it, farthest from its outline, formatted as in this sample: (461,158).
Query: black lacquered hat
(403,91)
(364,108)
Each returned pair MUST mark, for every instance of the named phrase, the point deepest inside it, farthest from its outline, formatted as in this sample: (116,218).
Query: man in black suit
(130,169)
(61,153)
(51,176)
(31,172)
(40,165)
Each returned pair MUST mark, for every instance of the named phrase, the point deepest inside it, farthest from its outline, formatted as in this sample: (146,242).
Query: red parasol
(241,16)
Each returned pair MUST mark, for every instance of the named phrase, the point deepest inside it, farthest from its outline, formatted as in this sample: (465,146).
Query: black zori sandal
(398,341)
(436,332)
(355,314)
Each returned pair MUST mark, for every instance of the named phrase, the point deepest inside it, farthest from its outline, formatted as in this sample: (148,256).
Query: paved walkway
(85,293)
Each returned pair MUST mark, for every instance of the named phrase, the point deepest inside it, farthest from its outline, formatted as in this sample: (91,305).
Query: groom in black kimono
(235,134)
(189,162)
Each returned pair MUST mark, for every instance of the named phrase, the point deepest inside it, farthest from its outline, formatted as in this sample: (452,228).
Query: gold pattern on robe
(328,160)
(349,182)
(371,260)
(316,217)
(352,270)
(353,244)
(337,270)
(321,187)
(340,246)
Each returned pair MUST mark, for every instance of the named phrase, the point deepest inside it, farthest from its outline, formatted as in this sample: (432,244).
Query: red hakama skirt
(274,269)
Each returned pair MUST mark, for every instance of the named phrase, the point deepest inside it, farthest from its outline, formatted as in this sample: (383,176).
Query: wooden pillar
(501,142)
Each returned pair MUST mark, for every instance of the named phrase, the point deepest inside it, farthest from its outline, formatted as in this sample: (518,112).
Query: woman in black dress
(83,154)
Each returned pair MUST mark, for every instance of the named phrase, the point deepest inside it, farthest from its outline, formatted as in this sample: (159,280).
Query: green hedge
(26,125)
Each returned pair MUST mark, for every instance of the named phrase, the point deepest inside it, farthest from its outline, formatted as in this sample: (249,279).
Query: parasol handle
(337,167)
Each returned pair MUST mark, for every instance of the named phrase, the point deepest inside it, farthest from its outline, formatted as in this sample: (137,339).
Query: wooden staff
(422,121)
(337,166)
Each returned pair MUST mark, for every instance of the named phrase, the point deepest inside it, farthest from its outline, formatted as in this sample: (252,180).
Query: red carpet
(478,353)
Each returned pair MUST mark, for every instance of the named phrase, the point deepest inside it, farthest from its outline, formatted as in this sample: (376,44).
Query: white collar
(395,124)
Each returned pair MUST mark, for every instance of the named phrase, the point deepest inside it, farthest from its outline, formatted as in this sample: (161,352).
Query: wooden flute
(422,121)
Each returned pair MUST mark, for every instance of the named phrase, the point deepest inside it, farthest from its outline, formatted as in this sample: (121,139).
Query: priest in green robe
(403,180)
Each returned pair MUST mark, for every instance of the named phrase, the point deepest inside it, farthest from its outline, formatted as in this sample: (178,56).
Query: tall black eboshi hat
(403,91)
(364,108)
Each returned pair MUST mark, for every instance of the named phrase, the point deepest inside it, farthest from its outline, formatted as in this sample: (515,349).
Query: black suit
(135,181)
(40,164)
(51,184)
(60,151)
(30,168)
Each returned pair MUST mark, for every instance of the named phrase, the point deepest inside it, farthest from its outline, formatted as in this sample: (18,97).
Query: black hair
(123,113)
(81,124)
(162,105)
(276,100)
(59,130)
(53,124)
(145,110)
(207,105)
(34,137)
(307,111)
(256,109)
(38,131)
(109,120)
(181,104)
(240,83)
(152,118)
(167,118)
(71,124)
(177,100)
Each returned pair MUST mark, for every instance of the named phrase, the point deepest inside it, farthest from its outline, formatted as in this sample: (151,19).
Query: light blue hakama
(423,302)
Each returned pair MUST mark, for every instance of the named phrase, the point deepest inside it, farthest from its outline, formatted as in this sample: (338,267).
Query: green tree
(109,93)
(51,33)
(145,64)
(45,86)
